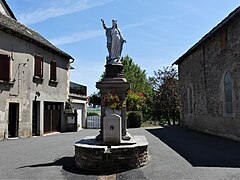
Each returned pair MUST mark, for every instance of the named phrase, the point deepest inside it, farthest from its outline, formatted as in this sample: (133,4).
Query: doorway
(52,117)
(36,118)
(13,120)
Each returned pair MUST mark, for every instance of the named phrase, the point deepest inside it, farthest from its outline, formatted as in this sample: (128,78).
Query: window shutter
(5,64)
(53,70)
(38,66)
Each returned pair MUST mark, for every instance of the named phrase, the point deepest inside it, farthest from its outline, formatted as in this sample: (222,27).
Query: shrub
(135,101)
(134,119)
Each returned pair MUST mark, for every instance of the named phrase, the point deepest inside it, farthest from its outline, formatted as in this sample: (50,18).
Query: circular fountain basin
(93,155)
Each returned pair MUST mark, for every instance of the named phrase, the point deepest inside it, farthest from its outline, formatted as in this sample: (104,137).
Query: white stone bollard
(112,129)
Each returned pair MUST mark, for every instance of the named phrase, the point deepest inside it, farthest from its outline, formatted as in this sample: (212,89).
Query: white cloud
(134,25)
(58,8)
(75,37)
(146,21)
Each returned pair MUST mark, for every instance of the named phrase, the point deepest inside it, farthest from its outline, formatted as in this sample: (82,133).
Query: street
(174,153)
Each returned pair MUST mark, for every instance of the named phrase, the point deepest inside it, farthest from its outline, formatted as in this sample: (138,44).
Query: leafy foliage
(136,77)
(139,83)
(166,94)
(94,99)
(135,101)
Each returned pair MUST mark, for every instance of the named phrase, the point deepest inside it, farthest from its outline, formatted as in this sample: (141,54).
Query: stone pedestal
(119,86)
(92,155)
(114,71)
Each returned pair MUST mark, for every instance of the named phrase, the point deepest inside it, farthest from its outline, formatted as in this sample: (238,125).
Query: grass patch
(150,124)
(92,110)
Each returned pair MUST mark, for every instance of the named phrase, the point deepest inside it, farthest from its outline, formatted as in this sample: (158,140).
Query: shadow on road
(67,163)
(199,149)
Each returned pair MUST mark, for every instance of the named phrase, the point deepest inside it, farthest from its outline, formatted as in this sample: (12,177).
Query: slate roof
(12,26)
(232,15)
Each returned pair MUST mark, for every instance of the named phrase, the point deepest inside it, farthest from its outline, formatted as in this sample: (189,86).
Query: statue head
(114,23)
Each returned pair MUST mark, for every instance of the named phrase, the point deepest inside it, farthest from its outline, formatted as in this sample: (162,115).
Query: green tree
(139,84)
(94,99)
(136,77)
(166,94)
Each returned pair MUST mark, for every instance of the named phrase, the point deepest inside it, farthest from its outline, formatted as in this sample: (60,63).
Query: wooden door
(52,117)
(56,117)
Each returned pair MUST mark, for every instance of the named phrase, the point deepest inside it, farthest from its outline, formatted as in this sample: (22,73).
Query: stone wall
(204,69)
(116,161)
(99,158)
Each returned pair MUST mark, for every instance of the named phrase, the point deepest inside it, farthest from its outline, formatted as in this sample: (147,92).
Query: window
(190,100)
(224,39)
(38,66)
(228,93)
(5,67)
(53,70)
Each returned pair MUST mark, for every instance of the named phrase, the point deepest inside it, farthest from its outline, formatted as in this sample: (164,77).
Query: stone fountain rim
(88,142)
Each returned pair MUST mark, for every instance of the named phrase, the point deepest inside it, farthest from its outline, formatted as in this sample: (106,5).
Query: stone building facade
(209,81)
(34,80)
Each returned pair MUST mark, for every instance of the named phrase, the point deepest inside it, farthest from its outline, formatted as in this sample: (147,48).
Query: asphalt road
(174,153)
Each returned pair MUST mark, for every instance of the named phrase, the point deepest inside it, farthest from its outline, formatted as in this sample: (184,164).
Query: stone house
(34,80)
(209,81)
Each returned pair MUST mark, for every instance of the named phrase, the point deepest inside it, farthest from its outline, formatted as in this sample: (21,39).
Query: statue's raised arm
(103,23)
(109,38)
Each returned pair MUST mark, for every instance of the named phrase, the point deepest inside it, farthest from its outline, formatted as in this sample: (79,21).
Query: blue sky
(157,31)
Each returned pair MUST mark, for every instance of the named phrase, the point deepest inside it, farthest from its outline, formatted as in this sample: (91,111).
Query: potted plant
(113,103)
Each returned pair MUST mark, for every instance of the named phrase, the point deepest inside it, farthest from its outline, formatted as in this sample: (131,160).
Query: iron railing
(78,89)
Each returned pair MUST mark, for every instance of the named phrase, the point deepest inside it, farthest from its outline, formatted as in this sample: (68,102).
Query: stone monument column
(107,152)
(114,82)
